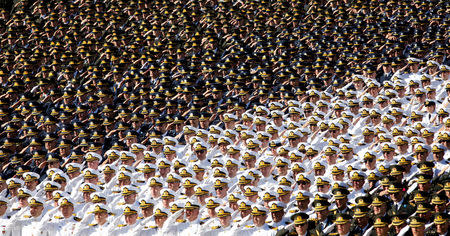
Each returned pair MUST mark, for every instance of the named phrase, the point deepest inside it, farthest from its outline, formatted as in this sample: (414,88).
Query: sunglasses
(219,188)
(368,160)
(201,151)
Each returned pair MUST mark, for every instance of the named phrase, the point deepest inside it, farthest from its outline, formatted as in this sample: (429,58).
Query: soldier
(400,204)
(101,224)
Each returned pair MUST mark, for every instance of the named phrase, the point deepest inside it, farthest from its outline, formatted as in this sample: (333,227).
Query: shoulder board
(314,219)
(140,181)
(274,228)
(215,227)
(59,217)
(204,218)
(153,227)
(121,225)
(181,221)
(335,233)
(236,220)
(27,216)
(92,224)
(192,160)
(121,203)
(140,218)
(292,211)
(115,191)
(15,209)
(249,226)
(241,169)
(269,221)
(77,218)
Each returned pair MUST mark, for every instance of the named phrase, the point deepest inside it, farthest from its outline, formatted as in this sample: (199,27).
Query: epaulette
(236,220)
(77,218)
(27,216)
(16,209)
(121,203)
(153,227)
(140,181)
(59,217)
(292,211)
(215,227)
(181,220)
(92,224)
(204,218)
(274,228)
(249,226)
(314,219)
(121,225)
(242,169)
(140,218)
(334,233)
(269,221)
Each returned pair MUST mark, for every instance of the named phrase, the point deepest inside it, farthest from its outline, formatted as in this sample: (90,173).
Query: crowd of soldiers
(225,117)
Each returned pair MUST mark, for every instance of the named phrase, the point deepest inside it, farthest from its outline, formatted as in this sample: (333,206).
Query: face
(357,184)
(31,185)
(341,202)
(301,228)
(418,230)
(131,219)
(322,215)
(192,214)
(277,216)
(379,210)
(442,228)
(160,220)
(66,211)
(259,220)
(225,221)
(130,199)
(87,196)
(3,208)
(147,212)
(344,228)
(23,201)
(397,197)
(382,230)
(36,211)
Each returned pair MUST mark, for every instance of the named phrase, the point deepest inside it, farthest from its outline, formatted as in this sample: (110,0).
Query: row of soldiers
(225,117)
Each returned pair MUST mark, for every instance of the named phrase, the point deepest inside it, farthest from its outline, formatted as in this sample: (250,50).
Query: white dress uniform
(251,230)
(92,229)
(60,226)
